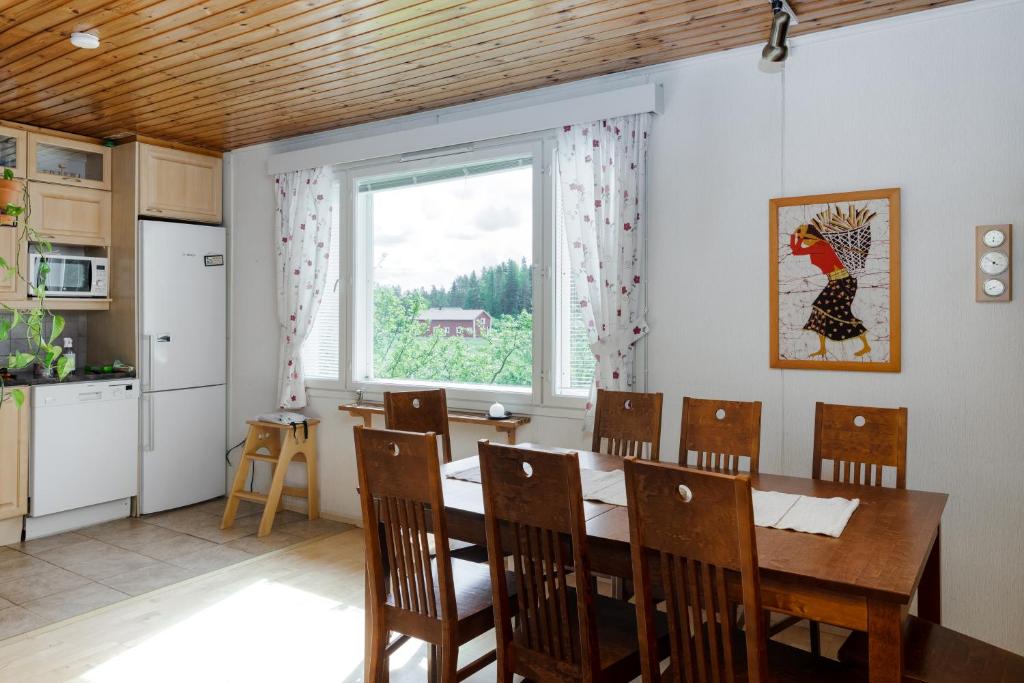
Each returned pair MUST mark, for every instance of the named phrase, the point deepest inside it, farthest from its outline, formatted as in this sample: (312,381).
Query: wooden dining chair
(427,411)
(628,423)
(443,601)
(936,654)
(720,434)
(860,443)
(533,511)
(420,411)
(693,548)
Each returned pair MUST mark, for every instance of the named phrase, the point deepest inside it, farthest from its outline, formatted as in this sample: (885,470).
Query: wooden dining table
(864,580)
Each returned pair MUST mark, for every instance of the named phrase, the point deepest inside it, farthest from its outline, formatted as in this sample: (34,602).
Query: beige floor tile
(40,583)
(173,519)
(15,620)
(100,530)
(132,537)
(4,603)
(257,546)
(96,560)
(211,559)
(176,545)
(148,579)
(74,602)
(312,529)
(208,527)
(14,565)
(41,545)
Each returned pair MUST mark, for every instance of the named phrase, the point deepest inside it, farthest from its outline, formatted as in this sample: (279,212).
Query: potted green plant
(42,327)
(10,195)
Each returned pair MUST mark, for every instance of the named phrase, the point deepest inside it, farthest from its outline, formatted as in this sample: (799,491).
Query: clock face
(994,238)
(994,263)
(994,287)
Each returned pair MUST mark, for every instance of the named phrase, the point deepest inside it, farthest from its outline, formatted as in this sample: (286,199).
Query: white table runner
(826,516)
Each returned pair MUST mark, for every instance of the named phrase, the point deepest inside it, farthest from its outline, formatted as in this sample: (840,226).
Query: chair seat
(468,552)
(934,654)
(788,664)
(472,586)
(617,636)
(791,665)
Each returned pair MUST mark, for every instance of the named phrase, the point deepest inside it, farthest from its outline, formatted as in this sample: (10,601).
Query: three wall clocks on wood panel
(992,250)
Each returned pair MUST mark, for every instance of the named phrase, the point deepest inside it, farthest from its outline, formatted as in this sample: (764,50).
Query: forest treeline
(504,289)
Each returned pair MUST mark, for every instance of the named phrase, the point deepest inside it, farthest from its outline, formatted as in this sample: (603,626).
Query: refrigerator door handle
(147,367)
(149,431)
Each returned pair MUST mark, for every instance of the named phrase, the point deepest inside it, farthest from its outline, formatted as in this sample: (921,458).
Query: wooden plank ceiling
(227,73)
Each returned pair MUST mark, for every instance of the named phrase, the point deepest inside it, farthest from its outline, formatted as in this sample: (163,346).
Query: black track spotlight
(775,50)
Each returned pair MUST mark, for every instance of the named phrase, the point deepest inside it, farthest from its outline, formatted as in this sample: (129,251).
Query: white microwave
(82,276)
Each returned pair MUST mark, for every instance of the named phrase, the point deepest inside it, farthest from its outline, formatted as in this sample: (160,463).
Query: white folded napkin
(827,516)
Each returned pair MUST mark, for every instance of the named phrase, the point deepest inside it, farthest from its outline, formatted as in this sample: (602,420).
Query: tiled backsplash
(74,327)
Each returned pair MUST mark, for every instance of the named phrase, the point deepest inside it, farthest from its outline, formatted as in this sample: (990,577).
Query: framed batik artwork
(835,281)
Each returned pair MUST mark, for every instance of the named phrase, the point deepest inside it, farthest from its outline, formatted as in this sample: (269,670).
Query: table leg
(885,642)
(929,591)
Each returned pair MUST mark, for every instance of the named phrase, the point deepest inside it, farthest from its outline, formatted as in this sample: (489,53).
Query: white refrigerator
(182,345)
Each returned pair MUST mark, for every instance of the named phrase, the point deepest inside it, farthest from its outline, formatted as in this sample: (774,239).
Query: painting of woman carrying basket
(835,281)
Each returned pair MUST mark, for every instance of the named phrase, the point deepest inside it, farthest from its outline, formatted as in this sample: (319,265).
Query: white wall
(933,104)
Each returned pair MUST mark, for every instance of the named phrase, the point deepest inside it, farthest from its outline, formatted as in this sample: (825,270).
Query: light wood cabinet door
(54,159)
(177,184)
(16,256)
(14,425)
(70,215)
(13,150)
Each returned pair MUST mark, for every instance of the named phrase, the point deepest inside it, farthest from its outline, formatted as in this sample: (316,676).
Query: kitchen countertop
(23,379)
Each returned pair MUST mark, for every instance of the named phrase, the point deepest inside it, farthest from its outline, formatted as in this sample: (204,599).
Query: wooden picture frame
(834,288)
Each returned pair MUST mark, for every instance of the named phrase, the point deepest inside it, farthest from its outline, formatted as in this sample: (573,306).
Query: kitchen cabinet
(13,143)
(70,215)
(175,183)
(16,255)
(65,161)
(14,439)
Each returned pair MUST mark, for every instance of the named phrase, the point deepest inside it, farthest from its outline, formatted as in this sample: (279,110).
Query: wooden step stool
(282,443)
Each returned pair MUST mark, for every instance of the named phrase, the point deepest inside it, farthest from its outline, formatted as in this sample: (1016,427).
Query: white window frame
(356,283)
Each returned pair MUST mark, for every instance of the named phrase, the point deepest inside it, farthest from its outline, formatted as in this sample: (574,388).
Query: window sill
(572,410)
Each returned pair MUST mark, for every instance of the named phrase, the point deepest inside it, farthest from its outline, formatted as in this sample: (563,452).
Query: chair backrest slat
(629,423)
(861,443)
(399,486)
(533,507)
(694,531)
(720,434)
(420,411)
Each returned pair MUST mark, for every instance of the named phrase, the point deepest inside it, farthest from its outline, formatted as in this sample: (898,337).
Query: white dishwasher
(84,463)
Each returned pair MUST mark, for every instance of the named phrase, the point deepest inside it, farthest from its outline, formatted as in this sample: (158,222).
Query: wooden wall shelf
(509,426)
(55,304)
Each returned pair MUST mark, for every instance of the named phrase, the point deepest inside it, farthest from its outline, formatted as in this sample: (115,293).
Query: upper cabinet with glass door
(54,159)
(12,150)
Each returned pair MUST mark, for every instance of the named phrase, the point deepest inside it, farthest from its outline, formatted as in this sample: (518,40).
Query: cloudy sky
(427,234)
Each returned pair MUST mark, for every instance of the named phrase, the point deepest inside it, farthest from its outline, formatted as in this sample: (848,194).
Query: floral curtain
(602,181)
(303,222)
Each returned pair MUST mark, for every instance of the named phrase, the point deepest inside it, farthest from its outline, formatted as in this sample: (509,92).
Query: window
(460,278)
(320,353)
(448,280)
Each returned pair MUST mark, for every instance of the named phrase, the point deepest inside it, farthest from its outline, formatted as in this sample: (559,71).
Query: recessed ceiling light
(86,41)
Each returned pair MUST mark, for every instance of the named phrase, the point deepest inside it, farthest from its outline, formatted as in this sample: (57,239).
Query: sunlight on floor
(265,632)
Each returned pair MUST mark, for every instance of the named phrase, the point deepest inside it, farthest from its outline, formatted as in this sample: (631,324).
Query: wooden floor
(294,614)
